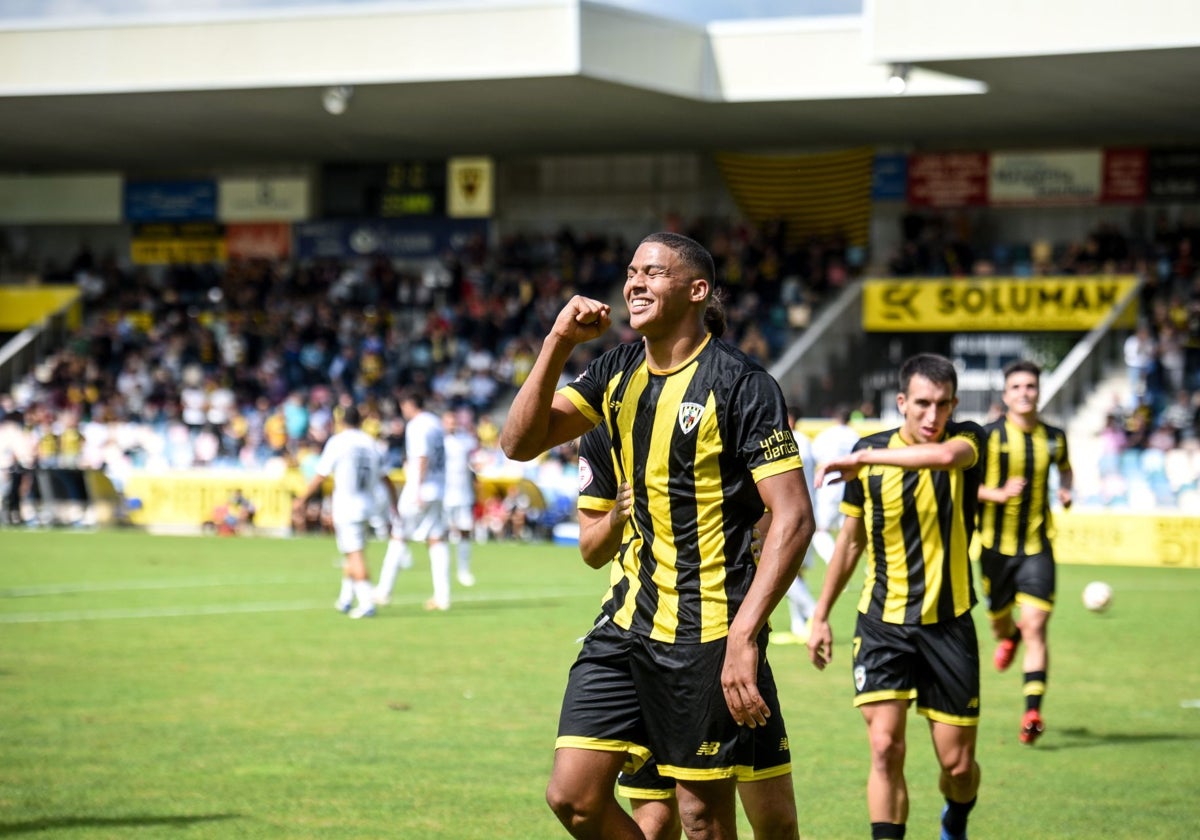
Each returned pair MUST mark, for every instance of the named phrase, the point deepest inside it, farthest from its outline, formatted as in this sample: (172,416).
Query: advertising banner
(1174,175)
(170,201)
(889,178)
(193,243)
(1125,176)
(1127,539)
(258,240)
(263,199)
(60,199)
(395,238)
(1033,178)
(993,304)
(948,179)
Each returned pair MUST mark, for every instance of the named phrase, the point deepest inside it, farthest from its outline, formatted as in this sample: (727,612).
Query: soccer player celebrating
(914,638)
(700,434)
(1015,528)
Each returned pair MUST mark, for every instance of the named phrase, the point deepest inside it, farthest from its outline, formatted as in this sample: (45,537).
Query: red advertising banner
(258,240)
(948,179)
(1126,176)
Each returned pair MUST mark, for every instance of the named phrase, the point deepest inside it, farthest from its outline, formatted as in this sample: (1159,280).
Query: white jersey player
(422,517)
(353,459)
(832,442)
(461,447)
(800,602)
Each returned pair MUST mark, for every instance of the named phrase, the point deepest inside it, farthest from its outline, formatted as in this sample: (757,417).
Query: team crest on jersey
(860,677)
(689,416)
(585,474)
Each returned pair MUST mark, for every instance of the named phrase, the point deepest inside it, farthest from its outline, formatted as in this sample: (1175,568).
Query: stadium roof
(535,77)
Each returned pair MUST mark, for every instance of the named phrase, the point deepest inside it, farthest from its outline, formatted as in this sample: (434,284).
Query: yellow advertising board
(176,251)
(189,498)
(994,304)
(22,306)
(1127,539)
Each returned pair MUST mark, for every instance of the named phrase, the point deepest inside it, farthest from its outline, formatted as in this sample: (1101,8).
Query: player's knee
(960,766)
(887,751)
(776,823)
(658,820)
(571,806)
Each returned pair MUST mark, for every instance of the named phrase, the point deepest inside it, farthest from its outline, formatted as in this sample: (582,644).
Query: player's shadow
(52,823)
(1078,737)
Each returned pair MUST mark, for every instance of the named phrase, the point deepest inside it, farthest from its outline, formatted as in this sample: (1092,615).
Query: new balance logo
(708,748)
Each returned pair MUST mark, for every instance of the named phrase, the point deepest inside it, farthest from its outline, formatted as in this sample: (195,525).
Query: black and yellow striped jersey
(918,525)
(1023,525)
(692,442)
(598,487)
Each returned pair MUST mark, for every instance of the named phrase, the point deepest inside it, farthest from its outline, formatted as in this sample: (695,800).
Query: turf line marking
(157,583)
(264,607)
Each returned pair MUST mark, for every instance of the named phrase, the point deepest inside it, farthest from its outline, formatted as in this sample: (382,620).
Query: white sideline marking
(264,607)
(157,583)
(1189,704)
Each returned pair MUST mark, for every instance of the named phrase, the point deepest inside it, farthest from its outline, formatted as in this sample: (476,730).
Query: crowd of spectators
(246,364)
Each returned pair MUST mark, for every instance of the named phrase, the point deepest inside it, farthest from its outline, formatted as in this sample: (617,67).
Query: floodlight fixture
(336,99)
(898,77)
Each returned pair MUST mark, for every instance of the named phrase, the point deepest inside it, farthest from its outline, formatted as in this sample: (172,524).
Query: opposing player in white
(800,602)
(354,460)
(833,442)
(461,446)
(422,517)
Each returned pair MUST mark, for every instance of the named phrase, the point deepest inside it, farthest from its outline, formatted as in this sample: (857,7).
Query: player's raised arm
(538,418)
(953,454)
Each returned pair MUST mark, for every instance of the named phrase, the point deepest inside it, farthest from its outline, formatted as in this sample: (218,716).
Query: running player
(915,488)
(1016,556)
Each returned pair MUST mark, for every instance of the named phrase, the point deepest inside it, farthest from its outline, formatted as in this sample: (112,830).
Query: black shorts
(772,757)
(1022,579)
(629,693)
(935,664)
(646,783)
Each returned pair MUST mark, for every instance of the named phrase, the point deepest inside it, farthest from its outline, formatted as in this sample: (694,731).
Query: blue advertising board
(170,201)
(889,178)
(406,237)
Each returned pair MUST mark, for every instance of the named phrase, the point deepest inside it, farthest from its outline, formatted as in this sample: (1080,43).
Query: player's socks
(346,595)
(398,557)
(887,831)
(954,818)
(364,593)
(1034,689)
(439,565)
(462,550)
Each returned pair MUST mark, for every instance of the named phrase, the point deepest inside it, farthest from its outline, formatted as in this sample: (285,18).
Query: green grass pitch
(205,688)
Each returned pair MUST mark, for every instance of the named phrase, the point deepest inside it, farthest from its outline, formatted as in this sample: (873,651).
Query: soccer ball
(1097,596)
